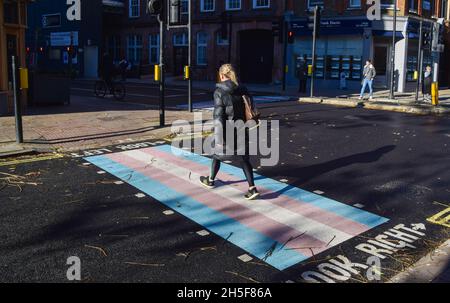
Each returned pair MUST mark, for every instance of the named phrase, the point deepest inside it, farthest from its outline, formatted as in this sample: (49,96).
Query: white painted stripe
(358,205)
(245,258)
(168,212)
(279,214)
(101,172)
(118,182)
(140,195)
(319,192)
(203,233)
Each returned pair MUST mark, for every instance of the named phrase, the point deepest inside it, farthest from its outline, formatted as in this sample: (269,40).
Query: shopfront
(344,45)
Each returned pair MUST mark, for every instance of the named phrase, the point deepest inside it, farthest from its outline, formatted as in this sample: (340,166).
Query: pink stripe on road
(271,228)
(305,209)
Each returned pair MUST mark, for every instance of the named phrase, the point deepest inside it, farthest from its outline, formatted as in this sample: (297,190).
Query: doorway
(256,56)
(381,64)
(180,59)
(91,62)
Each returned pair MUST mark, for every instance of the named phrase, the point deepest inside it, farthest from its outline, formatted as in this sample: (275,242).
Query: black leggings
(246,167)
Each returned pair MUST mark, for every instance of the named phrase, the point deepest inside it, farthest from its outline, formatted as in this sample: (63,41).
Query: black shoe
(252,194)
(206,182)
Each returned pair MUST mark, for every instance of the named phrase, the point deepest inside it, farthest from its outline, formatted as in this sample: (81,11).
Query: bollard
(435,94)
(310,68)
(416,75)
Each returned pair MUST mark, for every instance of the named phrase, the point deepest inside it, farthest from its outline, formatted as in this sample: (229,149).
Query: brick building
(348,38)
(252,46)
(13,23)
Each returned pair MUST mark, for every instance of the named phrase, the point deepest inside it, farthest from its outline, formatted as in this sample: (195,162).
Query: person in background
(369,74)
(123,66)
(426,86)
(301,74)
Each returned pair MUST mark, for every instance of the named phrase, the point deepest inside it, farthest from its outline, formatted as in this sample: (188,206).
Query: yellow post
(310,68)
(435,94)
(23,78)
(286,69)
(416,75)
(187,72)
(157,73)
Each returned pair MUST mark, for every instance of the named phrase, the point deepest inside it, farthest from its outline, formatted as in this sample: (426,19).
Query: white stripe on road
(282,215)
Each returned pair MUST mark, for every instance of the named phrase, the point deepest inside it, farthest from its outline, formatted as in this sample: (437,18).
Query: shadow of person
(303,174)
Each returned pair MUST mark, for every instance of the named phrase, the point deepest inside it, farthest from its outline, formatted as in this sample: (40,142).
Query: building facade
(348,38)
(249,43)
(13,23)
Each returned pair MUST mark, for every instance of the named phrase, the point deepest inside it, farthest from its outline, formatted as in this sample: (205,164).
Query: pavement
(126,227)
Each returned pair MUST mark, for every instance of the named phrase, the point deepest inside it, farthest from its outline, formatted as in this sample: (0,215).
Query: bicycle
(117,89)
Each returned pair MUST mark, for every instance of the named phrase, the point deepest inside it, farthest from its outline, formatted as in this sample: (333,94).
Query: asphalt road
(389,164)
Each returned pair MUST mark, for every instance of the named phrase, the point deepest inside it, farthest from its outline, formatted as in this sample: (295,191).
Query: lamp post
(394,34)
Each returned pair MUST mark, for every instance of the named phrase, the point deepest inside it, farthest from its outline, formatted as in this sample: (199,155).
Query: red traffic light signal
(291,37)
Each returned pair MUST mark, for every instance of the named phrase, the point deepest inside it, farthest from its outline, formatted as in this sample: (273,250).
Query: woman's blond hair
(228,71)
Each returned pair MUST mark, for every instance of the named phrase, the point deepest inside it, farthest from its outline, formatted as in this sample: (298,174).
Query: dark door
(256,56)
(180,59)
(381,65)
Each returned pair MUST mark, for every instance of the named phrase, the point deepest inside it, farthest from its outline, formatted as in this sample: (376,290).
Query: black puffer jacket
(228,105)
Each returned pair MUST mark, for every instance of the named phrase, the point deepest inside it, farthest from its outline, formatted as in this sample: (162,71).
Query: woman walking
(427,82)
(229,106)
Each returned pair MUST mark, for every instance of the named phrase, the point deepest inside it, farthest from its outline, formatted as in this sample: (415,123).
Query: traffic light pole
(394,34)
(419,60)
(162,105)
(314,51)
(190,56)
(285,42)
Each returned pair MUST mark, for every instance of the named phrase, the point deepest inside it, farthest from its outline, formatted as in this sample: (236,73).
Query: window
(180,39)
(220,40)
(153,47)
(261,3)
(185,6)
(413,5)
(233,5)
(134,49)
(134,8)
(207,5)
(202,47)
(355,3)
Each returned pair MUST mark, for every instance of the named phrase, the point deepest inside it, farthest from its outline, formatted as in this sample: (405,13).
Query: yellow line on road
(29,160)
(440,219)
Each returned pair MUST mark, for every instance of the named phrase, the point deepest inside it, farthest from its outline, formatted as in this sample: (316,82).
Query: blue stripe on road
(246,238)
(344,210)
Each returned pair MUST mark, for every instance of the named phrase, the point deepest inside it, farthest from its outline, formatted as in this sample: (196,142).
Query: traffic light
(290,37)
(317,18)
(278,29)
(155,7)
(426,40)
(175,12)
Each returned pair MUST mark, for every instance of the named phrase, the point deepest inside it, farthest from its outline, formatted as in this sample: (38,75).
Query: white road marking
(203,233)
(358,205)
(140,195)
(319,192)
(118,182)
(245,258)
(168,212)
(101,172)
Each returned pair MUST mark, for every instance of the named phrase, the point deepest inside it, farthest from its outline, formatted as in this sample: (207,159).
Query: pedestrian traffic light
(317,18)
(41,49)
(155,7)
(426,40)
(278,29)
(175,12)
(290,37)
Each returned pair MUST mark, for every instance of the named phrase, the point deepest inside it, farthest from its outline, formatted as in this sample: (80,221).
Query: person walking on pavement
(369,74)
(426,86)
(229,106)
(301,74)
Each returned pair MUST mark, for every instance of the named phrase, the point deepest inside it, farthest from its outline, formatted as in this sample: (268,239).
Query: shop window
(134,49)
(153,47)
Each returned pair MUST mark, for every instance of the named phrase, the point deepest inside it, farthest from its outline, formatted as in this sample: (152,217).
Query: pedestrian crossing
(286,226)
